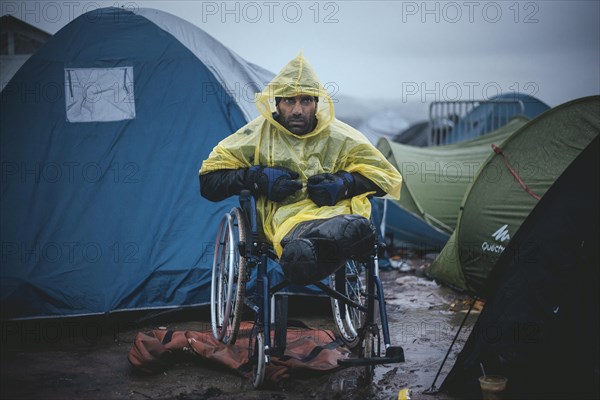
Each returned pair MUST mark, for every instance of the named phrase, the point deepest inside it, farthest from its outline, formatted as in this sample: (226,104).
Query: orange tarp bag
(306,350)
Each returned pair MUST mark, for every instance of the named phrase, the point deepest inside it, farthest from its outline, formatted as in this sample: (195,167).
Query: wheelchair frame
(238,250)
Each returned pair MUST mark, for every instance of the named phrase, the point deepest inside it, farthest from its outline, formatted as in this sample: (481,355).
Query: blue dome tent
(103,131)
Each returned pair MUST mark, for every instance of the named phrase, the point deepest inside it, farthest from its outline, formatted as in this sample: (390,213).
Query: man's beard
(299,125)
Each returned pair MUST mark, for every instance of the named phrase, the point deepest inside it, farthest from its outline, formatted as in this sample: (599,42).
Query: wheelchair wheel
(349,320)
(259,368)
(228,282)
(368,351)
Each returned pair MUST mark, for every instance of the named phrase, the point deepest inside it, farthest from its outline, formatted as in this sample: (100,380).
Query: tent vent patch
(99,94)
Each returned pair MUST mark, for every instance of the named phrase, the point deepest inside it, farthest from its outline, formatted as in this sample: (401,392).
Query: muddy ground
(87,358)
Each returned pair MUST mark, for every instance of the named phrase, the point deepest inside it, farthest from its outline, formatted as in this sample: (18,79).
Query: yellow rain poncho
(332,146)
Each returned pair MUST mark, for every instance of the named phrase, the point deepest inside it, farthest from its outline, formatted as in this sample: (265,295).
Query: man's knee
(327,244)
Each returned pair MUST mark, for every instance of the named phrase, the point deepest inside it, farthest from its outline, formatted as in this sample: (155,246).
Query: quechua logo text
(501,235)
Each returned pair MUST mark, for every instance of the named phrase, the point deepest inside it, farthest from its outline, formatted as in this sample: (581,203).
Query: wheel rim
(221,286)
(348,326)
(238,275)
(215,286)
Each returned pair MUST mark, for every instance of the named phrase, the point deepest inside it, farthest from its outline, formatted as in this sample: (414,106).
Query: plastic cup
(492,386)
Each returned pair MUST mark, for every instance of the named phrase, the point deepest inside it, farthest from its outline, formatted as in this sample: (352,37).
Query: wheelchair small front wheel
(368,351)
(260,365)
(228,281)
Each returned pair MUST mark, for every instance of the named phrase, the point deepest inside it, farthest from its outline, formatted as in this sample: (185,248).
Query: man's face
(298,114)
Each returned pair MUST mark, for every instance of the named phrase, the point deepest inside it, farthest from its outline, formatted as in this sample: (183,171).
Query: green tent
(496,203)
(436,178)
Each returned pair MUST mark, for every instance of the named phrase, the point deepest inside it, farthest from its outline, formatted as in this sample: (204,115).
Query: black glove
(327,189)
(277,183)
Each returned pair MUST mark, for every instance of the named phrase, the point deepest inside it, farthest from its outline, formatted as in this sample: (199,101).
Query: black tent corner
(540,326)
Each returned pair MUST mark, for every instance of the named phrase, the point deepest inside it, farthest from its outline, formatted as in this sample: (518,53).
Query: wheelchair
(355,290)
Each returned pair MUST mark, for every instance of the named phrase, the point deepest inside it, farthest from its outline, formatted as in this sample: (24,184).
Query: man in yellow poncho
(310,173)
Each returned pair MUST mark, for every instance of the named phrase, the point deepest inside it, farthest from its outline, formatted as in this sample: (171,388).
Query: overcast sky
(403,50)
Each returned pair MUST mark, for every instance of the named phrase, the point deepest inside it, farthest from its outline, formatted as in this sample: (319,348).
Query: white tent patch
(99,94)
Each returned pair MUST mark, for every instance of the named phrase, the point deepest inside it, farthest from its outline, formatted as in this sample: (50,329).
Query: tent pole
(433,389)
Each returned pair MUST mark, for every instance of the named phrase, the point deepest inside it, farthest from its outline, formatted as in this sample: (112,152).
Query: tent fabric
(416,135)
(9,65)
(436,178)
(386,123)
(406,230)
(540,326)
(237,77)
(110,102)
(496,205)
(99,217)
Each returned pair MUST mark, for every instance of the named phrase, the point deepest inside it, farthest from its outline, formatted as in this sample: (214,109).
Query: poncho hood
(296,78)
